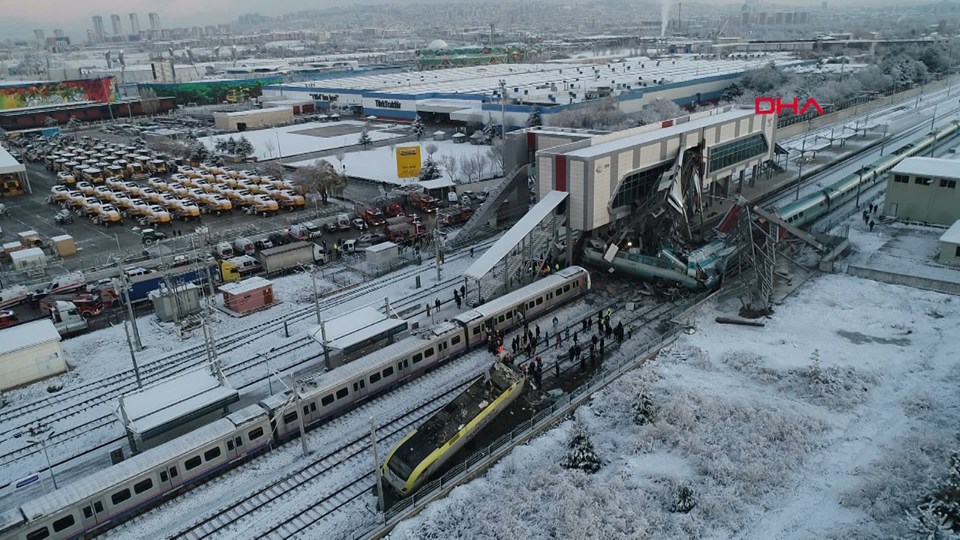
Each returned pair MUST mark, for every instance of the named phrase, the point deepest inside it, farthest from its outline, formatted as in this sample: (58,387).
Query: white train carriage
(94,503)
(524,304)
(338,390)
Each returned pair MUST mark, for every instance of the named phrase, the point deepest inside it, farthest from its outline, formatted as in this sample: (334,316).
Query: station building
(506,93)
(607,175)
(924,190)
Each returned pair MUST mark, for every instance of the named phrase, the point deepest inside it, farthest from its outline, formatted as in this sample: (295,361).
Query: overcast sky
(20,17)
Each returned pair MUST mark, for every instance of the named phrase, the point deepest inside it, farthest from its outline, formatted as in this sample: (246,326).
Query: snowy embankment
(827,423)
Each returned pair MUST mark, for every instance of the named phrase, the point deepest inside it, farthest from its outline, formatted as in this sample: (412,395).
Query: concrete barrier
(916,282)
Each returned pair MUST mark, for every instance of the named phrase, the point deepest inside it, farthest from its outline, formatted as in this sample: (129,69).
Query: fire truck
(372,215)
(423,202)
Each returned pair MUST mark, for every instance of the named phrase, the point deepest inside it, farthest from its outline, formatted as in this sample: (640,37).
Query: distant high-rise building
(154,21)
(98,31)
(134,24)
(115,22)
(59,33)
(39,35)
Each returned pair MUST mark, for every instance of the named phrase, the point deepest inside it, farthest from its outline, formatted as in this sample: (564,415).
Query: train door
(235,445)
(358,388)
(170,477)
(92,513)
(442,350)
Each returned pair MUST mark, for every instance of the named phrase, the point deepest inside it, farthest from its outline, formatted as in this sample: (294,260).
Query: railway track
(82,398)
(352,452)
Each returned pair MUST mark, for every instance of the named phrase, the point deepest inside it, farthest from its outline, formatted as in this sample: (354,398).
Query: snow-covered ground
(827,423)
(380,164)
(295,140)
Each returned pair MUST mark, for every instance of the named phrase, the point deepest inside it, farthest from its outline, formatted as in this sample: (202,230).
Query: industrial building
(256,118)
(950,245)
(473,94)
(607,176)
(924,190)
(30,352)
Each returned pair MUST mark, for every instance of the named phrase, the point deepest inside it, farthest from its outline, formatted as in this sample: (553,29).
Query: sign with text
(767,105)
(408,161)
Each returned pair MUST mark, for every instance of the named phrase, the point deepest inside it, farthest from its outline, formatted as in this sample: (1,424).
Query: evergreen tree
(926,524)
(684,499)
(231,146)
(365,138)
(643,411)
(430,170)
(244,148)
(417,127)
(199,153)
(222,146)
(534,119)
(489,130)
(582,455)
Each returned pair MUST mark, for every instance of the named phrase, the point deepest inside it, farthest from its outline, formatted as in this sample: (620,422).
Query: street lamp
(503,107)
(43,444)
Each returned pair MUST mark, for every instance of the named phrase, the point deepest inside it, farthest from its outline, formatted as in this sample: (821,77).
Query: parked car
(331,227)
(371,239)
(360,224)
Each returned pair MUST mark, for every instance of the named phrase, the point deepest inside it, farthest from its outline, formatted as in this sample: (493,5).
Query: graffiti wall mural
(38,94)
(212,92)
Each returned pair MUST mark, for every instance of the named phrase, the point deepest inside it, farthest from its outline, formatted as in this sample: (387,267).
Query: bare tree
(482,162)
(273,168)
(340,155)
(270,147)
(431,149)
(322,178)
(150,103)
(495,154)
(449,164)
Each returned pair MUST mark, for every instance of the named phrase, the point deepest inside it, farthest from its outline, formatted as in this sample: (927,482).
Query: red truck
(394,210)
(372,215)
(424,202)
(405,232)
(455,216)
(88,305)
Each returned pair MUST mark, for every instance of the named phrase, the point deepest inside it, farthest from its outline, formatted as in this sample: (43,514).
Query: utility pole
(133,356)
(933,120)
(859,183)
(436,249)
(376,463)
(803,148)
(503,107)
(316,297)
(303,432)
(125,290)
(43,444)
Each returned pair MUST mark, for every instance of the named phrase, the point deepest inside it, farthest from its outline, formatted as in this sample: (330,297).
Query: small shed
(439,135)
(64,245)
(30,352)
(950,245)
(28,259)
(177,303)
(459,138)
(29,238)
(382,255)
(248,295)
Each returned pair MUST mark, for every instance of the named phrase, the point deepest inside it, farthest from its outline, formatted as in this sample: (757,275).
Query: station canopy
(515,235)
(9,164)
(156,409)
(357,328)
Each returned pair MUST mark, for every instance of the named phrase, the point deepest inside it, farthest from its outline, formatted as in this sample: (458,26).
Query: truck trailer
(282,258)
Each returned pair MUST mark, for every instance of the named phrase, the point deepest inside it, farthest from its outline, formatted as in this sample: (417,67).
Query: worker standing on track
(428,309)
(629,331)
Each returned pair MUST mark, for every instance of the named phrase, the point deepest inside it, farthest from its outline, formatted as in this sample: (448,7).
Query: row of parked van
(260,193)
(97,163)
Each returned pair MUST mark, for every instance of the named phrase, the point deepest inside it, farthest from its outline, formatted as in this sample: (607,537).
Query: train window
(549,296)
(428,353)
(63,523)
(341,393)
(443,346)
(98,506)
(539,301)
(476,330)
(212,454)
(403,365)
(417,357)
(357,386)
(530,305)
(87,512)
(306,410)
(566,288)
(510,314)
(255,434)
(559,291)
(37,534)
(388,372)
(289,417)
(501,318)
(454,340)
(163,476)
(374,378)
(192,463)
(313,406)
(143,485)
(327,399)
(229,445)
(576,284)
(120,496)
(238,441)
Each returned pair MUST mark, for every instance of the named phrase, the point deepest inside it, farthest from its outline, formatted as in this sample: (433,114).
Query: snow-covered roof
(952,236)
(9,165)
(166,402)
(245,286)
(382,246)
(357,326)
(361,335)
(497,305)
(439,183)
(27,335)
(24,254)
(518,232)
(615,145)
(924,166)
(445,105)
(71,494)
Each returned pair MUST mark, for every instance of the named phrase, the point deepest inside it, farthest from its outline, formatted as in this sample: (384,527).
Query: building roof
(518,232)
(952,236)
(382,246)
(245,286)
(166,403)
(439,183)
(924,166)
(608,146)
(8,164)
(27,335)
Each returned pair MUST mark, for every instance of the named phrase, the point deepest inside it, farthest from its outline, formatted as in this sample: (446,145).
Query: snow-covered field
(294,141)
(827,423)
(380,164)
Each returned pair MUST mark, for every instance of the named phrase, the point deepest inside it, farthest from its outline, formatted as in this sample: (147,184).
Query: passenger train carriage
(91,505)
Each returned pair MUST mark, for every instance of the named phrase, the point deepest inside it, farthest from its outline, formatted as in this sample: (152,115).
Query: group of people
(869,211)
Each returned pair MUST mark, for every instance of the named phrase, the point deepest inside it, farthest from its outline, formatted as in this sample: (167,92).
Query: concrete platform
(908,257)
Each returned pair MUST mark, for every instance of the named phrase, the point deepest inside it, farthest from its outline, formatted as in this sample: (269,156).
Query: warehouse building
(253,119)
(607,176)
(30,352)
(924,190)
(950,245)
(506,93)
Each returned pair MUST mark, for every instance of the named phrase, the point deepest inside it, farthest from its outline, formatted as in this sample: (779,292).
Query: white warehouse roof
(27,335)
(952,236)
(924,166)
(8,164)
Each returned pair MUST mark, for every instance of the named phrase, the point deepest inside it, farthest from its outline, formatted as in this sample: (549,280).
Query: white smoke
(664,17)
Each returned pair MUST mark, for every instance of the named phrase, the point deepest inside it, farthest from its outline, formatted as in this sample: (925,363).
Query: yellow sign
(408,161)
